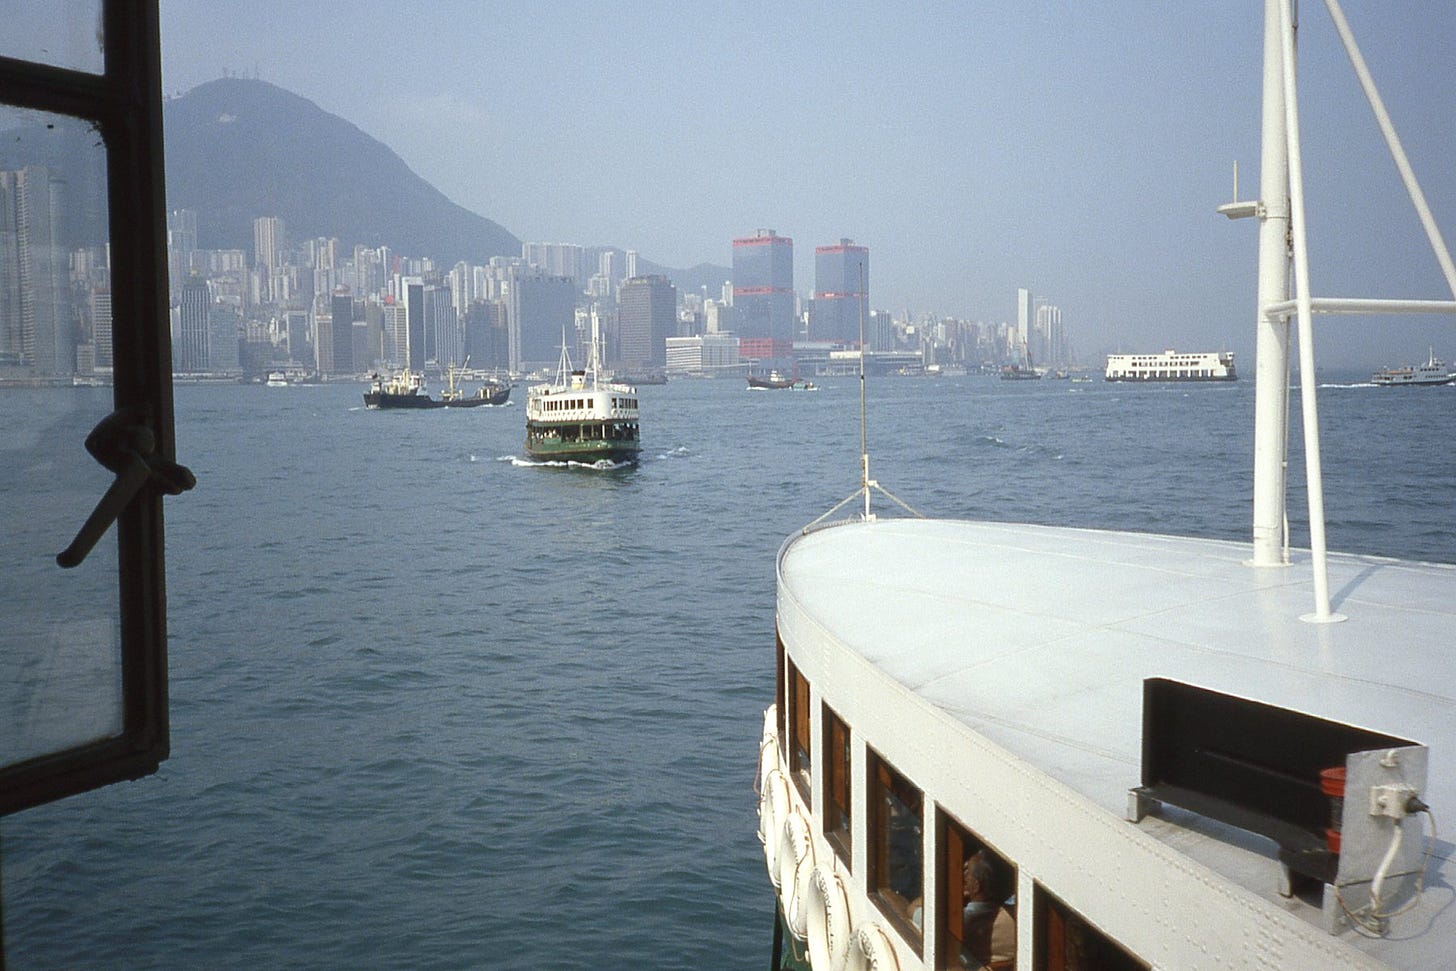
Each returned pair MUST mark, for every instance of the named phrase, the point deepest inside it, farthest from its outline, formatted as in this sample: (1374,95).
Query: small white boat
(1433,372)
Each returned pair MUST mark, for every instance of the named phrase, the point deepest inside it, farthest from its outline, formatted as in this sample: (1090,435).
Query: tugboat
(774,381)
(1016,746)
(407,390)
(577,418)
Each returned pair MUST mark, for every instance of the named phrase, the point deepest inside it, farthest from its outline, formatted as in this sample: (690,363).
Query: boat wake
(1357,384)
(601,466)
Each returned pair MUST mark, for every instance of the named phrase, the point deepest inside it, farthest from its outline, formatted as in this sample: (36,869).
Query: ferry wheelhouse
(1020,746)
(1172,366)
(577,418)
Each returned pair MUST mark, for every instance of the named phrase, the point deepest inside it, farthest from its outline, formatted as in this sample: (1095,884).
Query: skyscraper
(341,335)
(841,290)
(34,283)
(539,308)
(646,318)
(763,286)
(412,294)
(193,338)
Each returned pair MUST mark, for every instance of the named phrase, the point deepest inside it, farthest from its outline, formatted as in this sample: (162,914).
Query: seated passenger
(988,925)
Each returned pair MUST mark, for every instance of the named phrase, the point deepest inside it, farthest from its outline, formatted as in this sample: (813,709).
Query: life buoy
(827,918)
(796,862)
(768,760)
(773,807)
(871,950)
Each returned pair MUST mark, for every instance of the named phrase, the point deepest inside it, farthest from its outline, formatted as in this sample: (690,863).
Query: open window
(84,358)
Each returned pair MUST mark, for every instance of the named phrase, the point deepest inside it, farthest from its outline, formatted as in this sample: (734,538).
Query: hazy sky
(1074,148)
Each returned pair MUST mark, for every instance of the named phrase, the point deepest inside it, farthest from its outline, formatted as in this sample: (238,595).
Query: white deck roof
(1039,638)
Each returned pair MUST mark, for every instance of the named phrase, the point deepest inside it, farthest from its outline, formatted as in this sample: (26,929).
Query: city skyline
(974,149)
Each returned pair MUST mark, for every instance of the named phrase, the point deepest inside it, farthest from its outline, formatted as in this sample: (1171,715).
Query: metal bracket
(125,445)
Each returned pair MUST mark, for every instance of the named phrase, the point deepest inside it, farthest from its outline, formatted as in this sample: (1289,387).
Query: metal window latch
(126,446)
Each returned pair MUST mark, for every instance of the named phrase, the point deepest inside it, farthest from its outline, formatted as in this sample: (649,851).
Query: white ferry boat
(1172,366)
(1016,746)
(1433,372)
(578,418)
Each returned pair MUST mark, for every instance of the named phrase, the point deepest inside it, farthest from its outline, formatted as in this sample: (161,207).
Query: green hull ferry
(577,418)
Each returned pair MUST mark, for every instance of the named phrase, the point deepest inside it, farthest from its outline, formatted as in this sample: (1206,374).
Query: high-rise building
(442,327)
(557,259)
(841,291)
(341,334)
(646,318)
(539,308)
(763,286)
(412,295)
(35,327)
(101,326)
(486,340)
(1025,315)
(267,242)
(190,354)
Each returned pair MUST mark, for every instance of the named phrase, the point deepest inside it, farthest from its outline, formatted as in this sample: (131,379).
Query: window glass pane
(978,909)
(1066,941)
(897,872)
(801,763)
(838,818)
(60,661)
(61,33)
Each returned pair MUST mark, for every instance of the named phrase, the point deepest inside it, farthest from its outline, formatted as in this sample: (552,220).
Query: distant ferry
(1414,375)
(1172,366)
(576,418)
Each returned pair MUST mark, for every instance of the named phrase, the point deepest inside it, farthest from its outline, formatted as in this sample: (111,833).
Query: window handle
(126,446)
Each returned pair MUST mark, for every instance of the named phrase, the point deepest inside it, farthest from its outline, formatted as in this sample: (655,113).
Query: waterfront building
(707,354)
(1024,317)
(190,354)
(442,328)
(763,286)
(486,341)
(101,328)
(646,318)
(341,335)
(539,308)
(34,282)
(412,295)
(841,289)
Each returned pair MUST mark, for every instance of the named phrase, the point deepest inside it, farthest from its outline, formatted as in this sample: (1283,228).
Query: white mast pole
(1271,392)
(864,453)
(1309,411)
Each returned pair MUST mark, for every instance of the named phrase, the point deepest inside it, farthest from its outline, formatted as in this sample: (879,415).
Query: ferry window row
(624,402)
(976,884)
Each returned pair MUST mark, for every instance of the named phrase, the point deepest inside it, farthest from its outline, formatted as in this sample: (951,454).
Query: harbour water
(432,707)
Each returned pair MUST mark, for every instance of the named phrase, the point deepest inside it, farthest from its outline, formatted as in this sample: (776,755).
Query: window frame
(124,103)
(1046,905)
(877,839)
(837,772)
(800,740)
(950,832)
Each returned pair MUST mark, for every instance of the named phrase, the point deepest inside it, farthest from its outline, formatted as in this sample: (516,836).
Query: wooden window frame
(124,104)
(800,737)
(881,777)
(837,772)
(1050,913)
(951,840)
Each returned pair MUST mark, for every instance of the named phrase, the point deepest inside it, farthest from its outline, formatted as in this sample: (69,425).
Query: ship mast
(865,482)
(1282,238)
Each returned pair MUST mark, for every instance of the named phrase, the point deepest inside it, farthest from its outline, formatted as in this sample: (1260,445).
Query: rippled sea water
(435,708)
